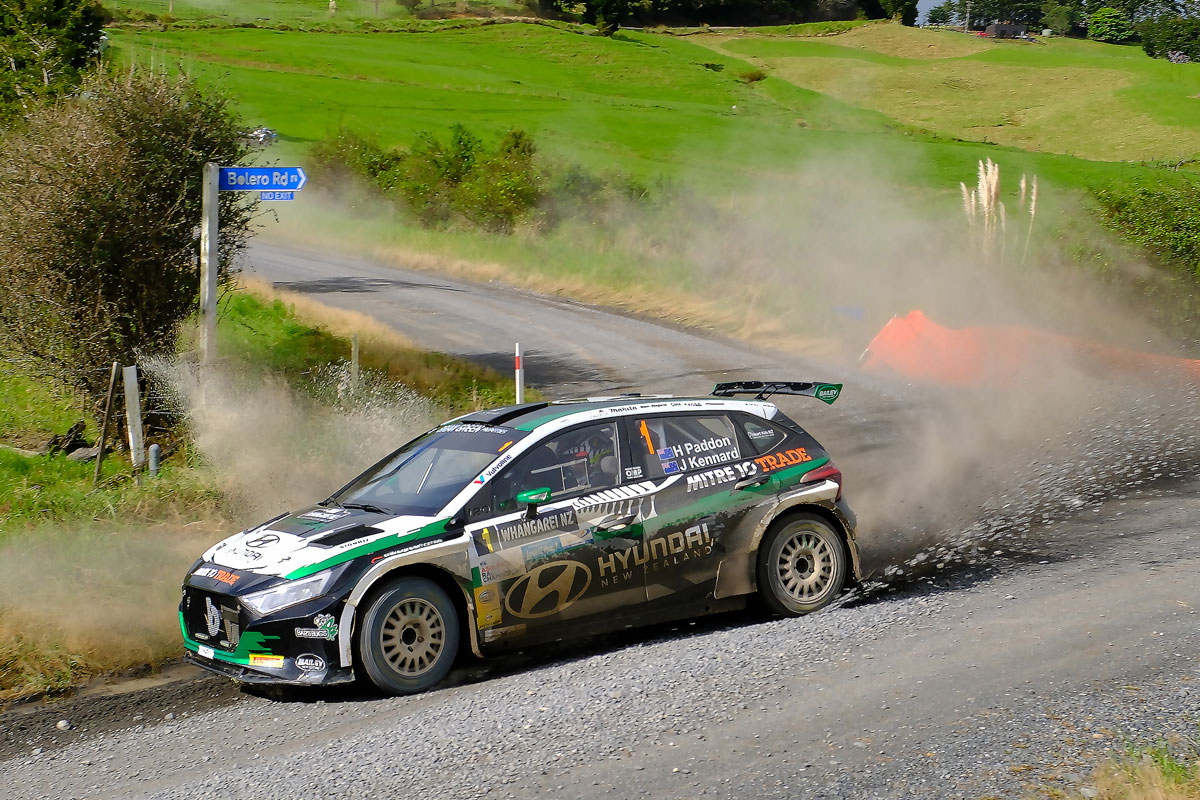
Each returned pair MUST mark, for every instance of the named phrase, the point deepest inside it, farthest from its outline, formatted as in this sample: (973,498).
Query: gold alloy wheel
(413,637)
(805,566)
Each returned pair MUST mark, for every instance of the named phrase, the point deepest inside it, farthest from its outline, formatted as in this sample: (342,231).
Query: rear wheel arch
(832,518)
(802,563)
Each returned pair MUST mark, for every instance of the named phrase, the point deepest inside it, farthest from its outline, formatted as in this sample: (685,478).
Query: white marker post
(209,254)
(520,370)
(133,417)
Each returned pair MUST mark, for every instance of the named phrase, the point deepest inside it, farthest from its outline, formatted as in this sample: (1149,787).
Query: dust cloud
(275,447)
(934,470)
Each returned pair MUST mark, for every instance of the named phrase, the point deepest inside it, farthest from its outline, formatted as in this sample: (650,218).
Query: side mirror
(532,498)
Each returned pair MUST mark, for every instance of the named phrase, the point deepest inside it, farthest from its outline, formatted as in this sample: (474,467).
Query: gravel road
(1025,642)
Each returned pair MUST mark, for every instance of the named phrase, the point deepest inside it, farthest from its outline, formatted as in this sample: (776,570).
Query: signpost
(272,184)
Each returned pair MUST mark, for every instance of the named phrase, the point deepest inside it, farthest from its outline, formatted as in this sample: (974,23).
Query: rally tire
(802,565)
(409,637)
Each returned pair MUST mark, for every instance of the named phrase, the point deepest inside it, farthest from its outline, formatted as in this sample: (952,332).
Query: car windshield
(425,474)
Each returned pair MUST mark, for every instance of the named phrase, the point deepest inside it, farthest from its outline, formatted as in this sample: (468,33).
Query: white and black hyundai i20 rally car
(530,523)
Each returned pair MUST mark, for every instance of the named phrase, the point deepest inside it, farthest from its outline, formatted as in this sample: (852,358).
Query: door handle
(614,523)
(753,480)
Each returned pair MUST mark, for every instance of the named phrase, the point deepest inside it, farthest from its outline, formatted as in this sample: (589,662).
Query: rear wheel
(409,637)
(802,565)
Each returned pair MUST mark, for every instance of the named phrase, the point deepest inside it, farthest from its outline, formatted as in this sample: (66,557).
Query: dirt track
(1054,628)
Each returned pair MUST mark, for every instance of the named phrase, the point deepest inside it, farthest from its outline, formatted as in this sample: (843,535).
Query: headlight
(292,592)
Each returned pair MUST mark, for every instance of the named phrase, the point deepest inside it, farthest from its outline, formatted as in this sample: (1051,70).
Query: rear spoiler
(825,392)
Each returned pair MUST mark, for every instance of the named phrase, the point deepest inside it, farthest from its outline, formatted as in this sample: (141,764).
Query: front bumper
(296,645)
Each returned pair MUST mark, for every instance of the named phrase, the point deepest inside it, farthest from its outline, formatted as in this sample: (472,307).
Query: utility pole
(209,250)
(967,20)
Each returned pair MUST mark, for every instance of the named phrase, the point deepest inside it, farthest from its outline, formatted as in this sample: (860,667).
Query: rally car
(531,523)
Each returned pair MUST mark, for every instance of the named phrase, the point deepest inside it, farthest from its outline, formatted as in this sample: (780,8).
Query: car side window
(676,444)
(579,460)
(763,436)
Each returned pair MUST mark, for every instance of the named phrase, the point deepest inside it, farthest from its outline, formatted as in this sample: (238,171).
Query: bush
(752,76)
(1160,215)
(460,181)
(1164,36)
(100,196)
(1109,25)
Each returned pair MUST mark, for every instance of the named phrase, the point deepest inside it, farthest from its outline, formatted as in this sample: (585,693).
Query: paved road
(571,349)
(1051,613)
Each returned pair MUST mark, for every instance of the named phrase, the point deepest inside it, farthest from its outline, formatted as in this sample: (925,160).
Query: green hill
(644,103)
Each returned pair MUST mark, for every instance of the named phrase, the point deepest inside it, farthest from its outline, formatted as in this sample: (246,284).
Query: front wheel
(409,637)
(801,565)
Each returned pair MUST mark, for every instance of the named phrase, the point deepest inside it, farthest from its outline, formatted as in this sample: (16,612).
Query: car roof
(529,416)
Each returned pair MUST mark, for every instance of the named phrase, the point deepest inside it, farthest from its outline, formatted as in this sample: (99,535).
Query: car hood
(293,541)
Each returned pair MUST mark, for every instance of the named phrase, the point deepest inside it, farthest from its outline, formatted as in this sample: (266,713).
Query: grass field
(1083,98)
(646,104)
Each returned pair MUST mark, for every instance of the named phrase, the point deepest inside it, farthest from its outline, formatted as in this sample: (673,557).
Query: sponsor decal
(224,576)
(662,551)
(212,617)
(495,468)
(310,663)
(496,567)
(633,473)
(553,521)
(492,634)
(716,477)
(784,458)
(542,549)
(242,552)
(761,433)
(548,589)
(265,660)
(487,606)
(265,540)
(474,427)
(829,392)
(325,514)
(327,628)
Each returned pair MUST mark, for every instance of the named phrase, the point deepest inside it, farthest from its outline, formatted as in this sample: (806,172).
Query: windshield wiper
(365,507)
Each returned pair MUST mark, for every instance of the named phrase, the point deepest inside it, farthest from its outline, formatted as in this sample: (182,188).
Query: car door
(541,571)
(712,489)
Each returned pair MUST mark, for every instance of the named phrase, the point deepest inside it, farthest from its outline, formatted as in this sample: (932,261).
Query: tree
(1109,25)
(1059,18)
(100,199)
(44,46)
(904,11)
(940,15)
(1173,38)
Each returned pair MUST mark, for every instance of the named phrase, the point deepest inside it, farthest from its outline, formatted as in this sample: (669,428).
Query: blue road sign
(273,195)
(255,179)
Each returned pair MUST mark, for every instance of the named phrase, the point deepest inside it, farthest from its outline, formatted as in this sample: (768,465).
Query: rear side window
(673,445)
(763,436)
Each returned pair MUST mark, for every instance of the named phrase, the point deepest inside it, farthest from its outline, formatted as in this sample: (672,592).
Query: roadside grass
(32,410)
(90,598)
(1155,773)
(294,334)
(89,579)
(1083,98)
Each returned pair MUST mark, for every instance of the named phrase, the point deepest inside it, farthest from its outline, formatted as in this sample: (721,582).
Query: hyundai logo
(548,589)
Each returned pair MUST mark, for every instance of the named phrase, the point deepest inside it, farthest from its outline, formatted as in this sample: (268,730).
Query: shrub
(1160,215)
(99,200)
(752,76)
(1164,36)
(1109,25)
(461,181)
